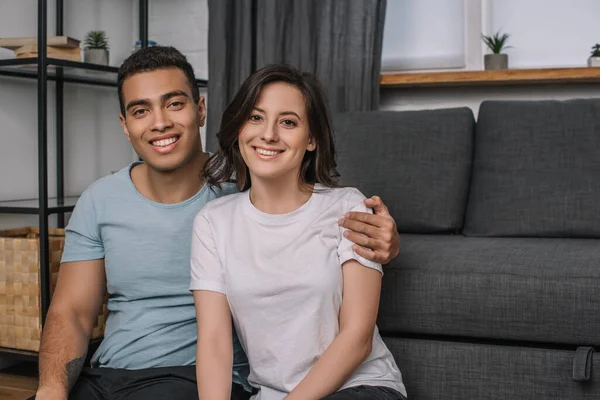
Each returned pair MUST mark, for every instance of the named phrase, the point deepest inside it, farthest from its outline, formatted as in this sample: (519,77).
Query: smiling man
(130,234)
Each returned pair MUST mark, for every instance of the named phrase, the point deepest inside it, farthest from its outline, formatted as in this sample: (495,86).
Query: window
(547,33)
(423,34)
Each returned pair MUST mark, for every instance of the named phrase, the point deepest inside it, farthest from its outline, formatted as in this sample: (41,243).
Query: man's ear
(201,111)
(124,126)
(312,144)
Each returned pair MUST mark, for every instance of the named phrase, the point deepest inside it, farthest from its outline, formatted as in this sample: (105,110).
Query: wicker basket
(20,303)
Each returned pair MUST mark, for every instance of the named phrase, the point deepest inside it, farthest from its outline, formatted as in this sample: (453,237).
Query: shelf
(23,355)
(72,71)
(490,78)
(31,206)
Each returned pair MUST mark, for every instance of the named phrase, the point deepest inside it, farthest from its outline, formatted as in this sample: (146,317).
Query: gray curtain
(337,40)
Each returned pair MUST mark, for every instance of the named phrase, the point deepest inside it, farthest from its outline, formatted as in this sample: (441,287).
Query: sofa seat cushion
(536,170)
(418,162)
(527,289)
(434,370)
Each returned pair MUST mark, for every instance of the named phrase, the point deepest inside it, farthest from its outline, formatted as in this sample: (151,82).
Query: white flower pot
(495,61)
(95,56)
(594,62)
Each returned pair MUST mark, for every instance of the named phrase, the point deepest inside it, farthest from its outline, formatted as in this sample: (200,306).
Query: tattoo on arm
(73,369)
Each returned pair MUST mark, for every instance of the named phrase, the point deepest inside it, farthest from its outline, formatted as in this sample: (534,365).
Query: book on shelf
(63,53)
(53,41)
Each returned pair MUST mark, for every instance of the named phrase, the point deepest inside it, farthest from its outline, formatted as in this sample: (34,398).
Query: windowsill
(490,78)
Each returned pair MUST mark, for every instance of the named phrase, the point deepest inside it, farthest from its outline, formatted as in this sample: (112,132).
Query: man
(130,234)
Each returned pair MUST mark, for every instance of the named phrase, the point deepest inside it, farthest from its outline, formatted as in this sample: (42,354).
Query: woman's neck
(279,197)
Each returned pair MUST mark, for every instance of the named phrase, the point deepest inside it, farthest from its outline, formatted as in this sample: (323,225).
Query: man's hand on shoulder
(375,235)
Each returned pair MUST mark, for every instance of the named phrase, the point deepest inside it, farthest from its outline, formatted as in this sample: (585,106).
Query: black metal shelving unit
(44,69)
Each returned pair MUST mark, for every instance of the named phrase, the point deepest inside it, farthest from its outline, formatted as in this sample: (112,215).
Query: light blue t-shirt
(146,251)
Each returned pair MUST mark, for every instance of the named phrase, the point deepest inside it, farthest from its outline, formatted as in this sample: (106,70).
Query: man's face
(161,120)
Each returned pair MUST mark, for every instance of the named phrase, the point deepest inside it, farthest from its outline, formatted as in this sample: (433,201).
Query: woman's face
(276,136)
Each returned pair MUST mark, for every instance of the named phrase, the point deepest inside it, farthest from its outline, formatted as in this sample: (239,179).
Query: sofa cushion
(434,370)
(418,162)
(536,170)
(527,289)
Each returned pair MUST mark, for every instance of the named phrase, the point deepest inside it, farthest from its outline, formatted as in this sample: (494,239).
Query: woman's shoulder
(346,193)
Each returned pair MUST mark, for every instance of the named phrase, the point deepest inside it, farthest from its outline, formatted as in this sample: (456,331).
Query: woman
(272,257)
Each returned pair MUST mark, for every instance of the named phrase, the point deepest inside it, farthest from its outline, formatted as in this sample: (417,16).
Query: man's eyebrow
(281,113)
(174,93)
(163,98)
(138,102)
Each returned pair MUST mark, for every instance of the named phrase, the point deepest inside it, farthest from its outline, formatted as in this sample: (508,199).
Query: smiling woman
(280,116)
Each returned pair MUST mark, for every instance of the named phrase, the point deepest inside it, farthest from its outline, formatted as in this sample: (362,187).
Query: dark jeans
(145,384)
(366,393)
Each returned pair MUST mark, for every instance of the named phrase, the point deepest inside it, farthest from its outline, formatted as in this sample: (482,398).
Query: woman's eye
(255,118)
(289,122)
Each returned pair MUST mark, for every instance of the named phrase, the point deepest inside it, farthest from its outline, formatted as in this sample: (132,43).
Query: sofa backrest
(418,162)
(536,169)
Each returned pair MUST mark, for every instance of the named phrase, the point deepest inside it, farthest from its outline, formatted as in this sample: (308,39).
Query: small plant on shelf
(96,40)
(497,44)
(96,48)
(594,60)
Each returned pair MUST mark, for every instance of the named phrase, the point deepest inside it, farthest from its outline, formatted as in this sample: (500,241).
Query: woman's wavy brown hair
(318,166)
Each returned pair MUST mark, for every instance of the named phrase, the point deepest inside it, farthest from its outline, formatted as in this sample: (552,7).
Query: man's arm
(214,350)
(375,235)
(71,317)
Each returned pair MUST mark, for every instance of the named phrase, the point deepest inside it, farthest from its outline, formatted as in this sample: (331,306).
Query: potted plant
(496,43)
(96,48)
(594,60)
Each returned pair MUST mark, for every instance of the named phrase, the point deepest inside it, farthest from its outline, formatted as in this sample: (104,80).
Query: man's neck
(279,197)
(170,187)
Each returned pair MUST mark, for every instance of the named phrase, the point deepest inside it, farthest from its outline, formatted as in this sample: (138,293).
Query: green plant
(496,43)
(96,40)
(595,50)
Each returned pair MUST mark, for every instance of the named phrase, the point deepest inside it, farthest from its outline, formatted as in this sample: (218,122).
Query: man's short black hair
(151,59)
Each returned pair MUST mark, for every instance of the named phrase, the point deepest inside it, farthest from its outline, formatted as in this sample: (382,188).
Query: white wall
(94,141)
(544,33)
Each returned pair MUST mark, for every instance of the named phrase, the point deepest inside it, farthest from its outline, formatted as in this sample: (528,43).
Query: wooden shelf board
(495,77)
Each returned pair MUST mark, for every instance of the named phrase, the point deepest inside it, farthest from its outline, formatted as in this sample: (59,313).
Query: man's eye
(139,112)
(176,104)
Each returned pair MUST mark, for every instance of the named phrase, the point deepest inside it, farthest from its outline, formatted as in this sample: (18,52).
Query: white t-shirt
(282,276)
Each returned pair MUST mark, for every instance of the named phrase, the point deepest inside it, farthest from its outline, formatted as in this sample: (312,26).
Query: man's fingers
(378,221)
(361,227)
(359,239)
(377,205)
(366,253)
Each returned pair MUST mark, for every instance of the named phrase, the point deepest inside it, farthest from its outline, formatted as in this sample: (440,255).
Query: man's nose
(161,121)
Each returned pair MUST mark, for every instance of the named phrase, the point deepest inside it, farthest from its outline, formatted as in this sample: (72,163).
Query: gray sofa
(496,291)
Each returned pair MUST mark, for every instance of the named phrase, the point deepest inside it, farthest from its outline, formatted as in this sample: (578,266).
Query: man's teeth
(266,152)
(164,142)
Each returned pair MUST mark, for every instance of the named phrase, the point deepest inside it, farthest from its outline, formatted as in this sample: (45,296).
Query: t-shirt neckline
(277,219)
(155,203)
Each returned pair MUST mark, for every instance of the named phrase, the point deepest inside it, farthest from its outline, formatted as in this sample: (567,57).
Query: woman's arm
(214,351)
(352,346)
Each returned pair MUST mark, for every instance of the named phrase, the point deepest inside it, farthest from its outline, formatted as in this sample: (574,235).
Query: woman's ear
(312,144)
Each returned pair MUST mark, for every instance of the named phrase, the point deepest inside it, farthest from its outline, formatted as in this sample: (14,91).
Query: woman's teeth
(266,152)
(164,142)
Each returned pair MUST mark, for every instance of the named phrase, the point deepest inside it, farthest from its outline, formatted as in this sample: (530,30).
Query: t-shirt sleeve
(354,202)
(82,234)
(206,268)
